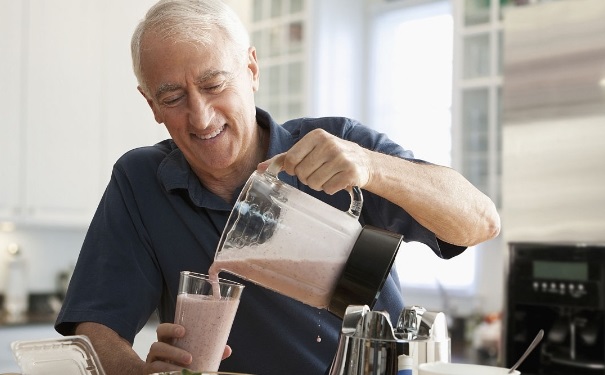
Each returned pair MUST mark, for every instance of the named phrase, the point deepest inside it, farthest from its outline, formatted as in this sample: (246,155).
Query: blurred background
(509,93)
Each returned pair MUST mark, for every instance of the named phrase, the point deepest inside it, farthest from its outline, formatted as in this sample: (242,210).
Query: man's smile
(211,135)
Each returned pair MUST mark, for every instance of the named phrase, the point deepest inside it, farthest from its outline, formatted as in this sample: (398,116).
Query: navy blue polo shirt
(156,219)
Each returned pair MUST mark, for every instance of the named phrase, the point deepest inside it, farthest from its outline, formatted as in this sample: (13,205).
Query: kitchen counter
(43,309)
(32,318)
(36,326)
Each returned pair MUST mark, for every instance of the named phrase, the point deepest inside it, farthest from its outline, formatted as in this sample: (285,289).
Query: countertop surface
(31,318)
(43,308)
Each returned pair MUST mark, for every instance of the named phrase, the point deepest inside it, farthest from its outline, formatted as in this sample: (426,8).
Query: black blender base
(366,270)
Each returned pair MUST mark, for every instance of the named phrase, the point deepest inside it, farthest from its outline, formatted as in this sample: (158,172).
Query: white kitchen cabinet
(63,117)
(127,119)
(11,94)
(279,31)
(308,52)
(72,108)
(476,127)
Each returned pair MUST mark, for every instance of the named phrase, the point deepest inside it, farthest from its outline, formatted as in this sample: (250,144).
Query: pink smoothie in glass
(207,321)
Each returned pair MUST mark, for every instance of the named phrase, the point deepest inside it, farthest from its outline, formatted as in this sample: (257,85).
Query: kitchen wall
(555,181)
(71,110)
(47,252)
(554,123)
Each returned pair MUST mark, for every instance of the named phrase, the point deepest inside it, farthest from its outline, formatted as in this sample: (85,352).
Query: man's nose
(201,112)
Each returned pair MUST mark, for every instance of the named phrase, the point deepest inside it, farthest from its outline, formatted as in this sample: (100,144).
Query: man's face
(205,97)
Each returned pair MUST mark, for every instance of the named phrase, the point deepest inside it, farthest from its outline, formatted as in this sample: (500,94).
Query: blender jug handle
(356,201)
(354,191)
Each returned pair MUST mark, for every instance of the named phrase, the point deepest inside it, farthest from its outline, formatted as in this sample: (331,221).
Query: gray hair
(192,21)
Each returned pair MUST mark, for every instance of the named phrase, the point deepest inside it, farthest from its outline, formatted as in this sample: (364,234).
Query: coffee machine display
(561,289)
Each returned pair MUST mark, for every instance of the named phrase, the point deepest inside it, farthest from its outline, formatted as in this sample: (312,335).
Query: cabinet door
(129,122)
(63,109)
(10,106)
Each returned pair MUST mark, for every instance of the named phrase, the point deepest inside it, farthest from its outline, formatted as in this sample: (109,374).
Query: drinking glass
(206,308)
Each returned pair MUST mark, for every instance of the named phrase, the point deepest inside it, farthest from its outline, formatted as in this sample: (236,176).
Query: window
(410,98)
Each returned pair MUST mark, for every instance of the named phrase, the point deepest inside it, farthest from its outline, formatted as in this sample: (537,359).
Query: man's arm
(118,357)
(115,353)
(438,197)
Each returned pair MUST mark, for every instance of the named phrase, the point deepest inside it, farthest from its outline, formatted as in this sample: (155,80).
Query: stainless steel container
(369,345)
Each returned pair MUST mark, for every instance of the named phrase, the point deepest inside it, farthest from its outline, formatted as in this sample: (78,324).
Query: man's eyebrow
(211,74)
(166,87)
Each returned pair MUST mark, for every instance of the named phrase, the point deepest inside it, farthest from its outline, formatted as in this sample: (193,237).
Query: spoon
(529,349)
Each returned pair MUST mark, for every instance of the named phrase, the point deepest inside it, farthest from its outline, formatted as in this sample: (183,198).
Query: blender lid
(366,270)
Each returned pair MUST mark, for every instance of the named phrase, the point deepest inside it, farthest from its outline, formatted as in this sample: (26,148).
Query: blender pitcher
(290,242)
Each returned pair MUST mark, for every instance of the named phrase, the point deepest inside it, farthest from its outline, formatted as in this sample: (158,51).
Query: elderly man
(166,205)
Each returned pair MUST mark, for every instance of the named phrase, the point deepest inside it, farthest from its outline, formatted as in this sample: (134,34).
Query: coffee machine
(559,288)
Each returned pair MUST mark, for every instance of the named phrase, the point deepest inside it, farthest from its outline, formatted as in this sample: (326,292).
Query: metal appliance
(561,289)
(369,345)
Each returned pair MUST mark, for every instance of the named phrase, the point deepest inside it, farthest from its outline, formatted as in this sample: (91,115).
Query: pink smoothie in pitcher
(298,253)
(207,321)
(309,281)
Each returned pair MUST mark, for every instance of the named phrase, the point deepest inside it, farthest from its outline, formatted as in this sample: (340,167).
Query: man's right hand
(163,355)
(118,358)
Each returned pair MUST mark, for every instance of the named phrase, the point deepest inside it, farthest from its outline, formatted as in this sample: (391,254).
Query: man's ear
(156,112)
(254,69)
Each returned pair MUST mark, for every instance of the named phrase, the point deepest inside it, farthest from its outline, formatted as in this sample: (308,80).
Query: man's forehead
(167,67)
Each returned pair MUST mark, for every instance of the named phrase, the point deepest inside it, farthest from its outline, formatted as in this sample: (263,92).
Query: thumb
(274,164)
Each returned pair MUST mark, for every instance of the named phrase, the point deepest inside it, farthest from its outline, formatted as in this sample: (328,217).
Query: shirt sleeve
(116,281)
(383,213)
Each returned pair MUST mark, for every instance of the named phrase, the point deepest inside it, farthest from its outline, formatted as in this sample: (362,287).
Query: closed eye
(172,101)
(215,88)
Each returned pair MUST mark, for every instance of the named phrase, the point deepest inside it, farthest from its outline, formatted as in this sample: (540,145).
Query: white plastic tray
(69,355)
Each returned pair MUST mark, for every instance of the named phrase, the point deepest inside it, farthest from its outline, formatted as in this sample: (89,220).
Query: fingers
(323,161)
(163,353)
(167,332)
(272,165)
(227,352)
(164,356)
